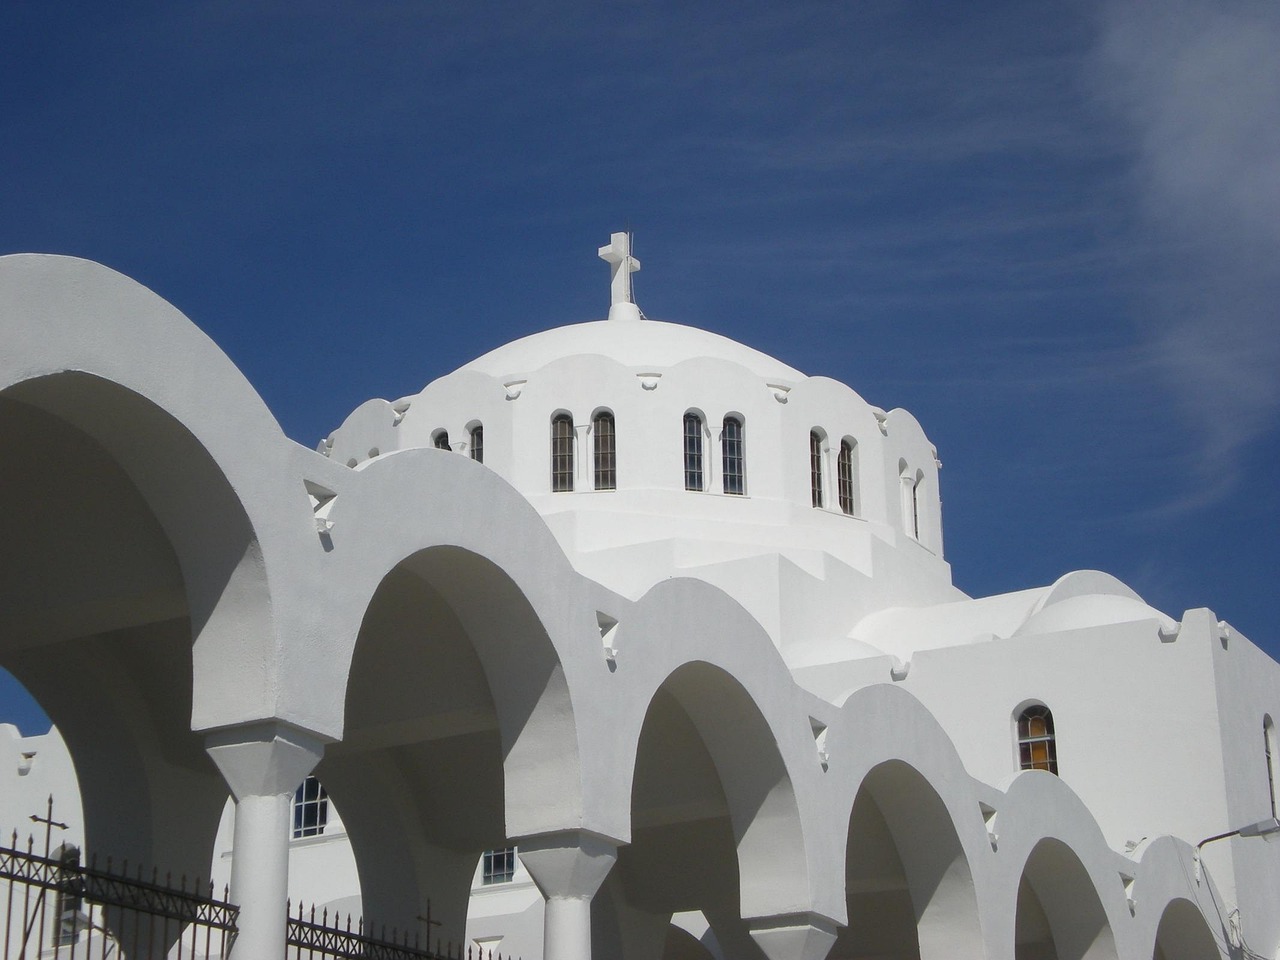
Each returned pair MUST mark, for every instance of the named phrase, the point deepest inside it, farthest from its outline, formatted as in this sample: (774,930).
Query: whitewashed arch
(1174,913)
(690,633)
(528,614)
(1048,837)
(887,748)
(176,571)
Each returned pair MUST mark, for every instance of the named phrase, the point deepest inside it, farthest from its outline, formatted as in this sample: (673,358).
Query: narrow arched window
(815,468)
(733,456)
(915,509)
(561,453)
(441,440)
(845,470)
(605,450)
(1269,742)
(1037,749)
(477,443)
(910,500)
(693,474)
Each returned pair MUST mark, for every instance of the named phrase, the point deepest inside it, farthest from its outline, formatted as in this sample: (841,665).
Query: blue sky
(1051,231)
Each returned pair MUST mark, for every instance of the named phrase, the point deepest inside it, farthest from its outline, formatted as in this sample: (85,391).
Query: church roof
(632,343)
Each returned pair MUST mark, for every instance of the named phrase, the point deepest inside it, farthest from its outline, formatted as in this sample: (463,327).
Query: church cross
(623,264)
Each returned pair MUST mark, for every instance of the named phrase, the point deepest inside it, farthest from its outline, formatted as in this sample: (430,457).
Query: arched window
(915,508)
(1037,749)
(846,469)
(815,469)
(561,453)
(733,456)
(1269,742)
(441,440)
(910,499)
(693,473)
(605,449)
(477,443)
(310,809)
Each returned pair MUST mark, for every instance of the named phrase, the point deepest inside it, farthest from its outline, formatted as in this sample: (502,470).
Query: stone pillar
(263,763)
(568,868)
(794,936)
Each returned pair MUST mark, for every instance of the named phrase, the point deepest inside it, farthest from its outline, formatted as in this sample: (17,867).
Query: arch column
(794,936)
(568,868)
(263,763)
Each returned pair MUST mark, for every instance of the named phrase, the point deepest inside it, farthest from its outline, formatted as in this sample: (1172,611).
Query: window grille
(441,440)
(1037,747)
(693,479)
(499,866)
(845,479)
(310,809)
(733,456)
(815,468)
(561,453)
(477,443)
(606,458)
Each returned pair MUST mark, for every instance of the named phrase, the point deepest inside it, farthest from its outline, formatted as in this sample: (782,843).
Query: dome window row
(475,444)
(846,473)
(604,452)
(733,457)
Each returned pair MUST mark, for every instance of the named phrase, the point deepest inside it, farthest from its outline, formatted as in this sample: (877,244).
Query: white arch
(196,440)
(888,749)
(691,631)
(529,616)
(1050,840)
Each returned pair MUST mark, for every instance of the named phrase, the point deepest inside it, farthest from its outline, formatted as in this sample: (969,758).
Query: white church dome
(635,343)
(650,446)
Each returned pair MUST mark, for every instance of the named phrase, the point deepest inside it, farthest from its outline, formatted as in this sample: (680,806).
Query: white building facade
(659,610)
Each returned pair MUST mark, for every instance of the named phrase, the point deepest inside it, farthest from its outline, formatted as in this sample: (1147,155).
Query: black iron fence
(53,906)
(321,937)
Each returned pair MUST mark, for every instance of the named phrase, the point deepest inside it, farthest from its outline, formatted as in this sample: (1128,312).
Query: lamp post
(1263,828)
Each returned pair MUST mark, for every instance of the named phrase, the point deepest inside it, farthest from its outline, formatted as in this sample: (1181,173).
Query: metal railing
(55,907)
(320,937)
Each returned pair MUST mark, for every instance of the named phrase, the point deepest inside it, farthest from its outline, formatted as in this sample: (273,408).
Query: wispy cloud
(1197,86)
